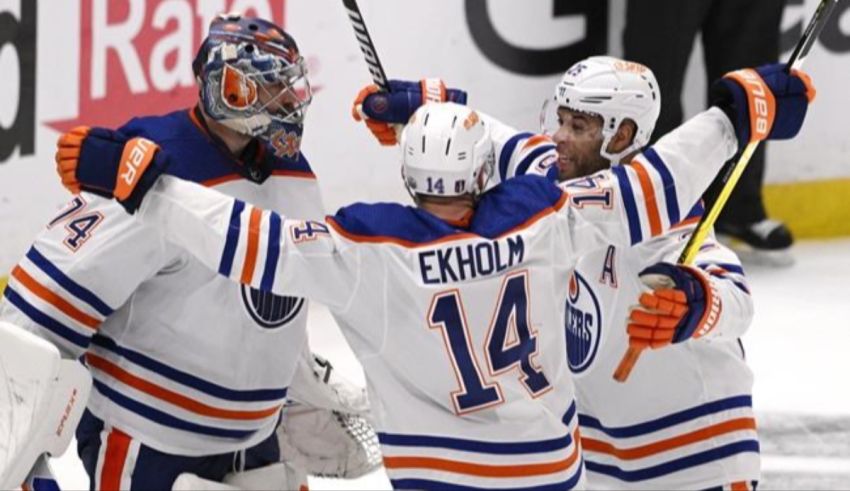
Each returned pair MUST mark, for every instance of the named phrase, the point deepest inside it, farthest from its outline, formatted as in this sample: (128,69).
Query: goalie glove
(108,163)
(386,112)
(325,430)
(765,103)
(683,304)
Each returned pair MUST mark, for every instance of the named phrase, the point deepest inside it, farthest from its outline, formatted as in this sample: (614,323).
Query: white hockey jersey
(459,328)
(684,418)
(183,360)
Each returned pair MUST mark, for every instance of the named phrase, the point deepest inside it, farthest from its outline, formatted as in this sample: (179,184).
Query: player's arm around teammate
(220,230)
(687,301)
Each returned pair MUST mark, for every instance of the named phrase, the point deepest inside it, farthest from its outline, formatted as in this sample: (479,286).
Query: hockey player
(190,370)
(684,419)
(454,307)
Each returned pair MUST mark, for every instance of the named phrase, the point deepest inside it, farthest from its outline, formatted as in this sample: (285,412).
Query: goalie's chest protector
(199,364)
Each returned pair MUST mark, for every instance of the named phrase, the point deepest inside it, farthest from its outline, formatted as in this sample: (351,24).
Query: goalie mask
(447,151)
(612,89)
(253,80)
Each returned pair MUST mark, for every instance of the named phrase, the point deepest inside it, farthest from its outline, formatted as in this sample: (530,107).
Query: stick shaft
(367,47)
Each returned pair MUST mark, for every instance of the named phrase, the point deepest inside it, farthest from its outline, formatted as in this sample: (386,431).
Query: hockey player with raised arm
(454,307)
(684,419)
(190,370)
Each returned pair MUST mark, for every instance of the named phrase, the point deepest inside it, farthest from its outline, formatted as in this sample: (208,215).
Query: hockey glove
(385,112)
(682,304)
(766,103)
(110,164)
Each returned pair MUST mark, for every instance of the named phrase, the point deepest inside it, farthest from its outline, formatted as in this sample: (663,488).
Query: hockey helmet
(253,80)
(446,151)
(613,89)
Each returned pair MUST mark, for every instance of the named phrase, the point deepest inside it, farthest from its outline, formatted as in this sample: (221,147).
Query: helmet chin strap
(608,135)
(616,158)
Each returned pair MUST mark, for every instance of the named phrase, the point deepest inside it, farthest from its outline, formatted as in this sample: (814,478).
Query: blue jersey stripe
(569,415)
(45,484)
(272,253)
(45,320)
(629,202)
(230,244)
(164,418)
(669,420)
(428,484)
(507,151)
(741,286)
(667,181)
(68,284)
(665,468)
(738,284)
(523,166)
(499,448)
(697,211)
(186,379)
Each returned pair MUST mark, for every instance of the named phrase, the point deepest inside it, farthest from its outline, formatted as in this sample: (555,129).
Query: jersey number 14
(511,344)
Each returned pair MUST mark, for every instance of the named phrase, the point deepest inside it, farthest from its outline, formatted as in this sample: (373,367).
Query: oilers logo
(269,310)
(582,324)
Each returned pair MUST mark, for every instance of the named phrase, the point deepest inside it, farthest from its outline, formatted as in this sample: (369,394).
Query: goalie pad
(42,398)
(325,430)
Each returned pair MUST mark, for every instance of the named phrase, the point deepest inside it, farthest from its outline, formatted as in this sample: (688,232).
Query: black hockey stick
(366,44)
(730,179)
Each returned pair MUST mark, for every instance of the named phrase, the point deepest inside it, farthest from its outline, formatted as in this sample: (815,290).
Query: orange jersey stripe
(221,180)
(195,121)
(172,397)
(670,443)
(687,222)
(740,486)
(376,239)
(301,174)
(53,299)
(253,246)
(536,140)
(649,197)
(485,470)
(114,457)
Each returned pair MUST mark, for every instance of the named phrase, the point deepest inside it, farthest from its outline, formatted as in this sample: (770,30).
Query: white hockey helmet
(614,89)
(446,151)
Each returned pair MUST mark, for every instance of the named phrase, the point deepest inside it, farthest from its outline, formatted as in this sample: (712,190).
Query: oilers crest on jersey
(269,310)
(582,323)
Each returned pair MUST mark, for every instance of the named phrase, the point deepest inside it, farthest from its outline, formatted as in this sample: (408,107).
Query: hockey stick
(730,179)
(366,45)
